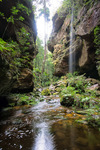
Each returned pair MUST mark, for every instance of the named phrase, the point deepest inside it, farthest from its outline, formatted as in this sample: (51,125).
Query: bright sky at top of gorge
(54,4)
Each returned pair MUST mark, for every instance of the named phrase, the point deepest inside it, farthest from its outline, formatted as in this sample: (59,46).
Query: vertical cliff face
(17,41)
(83,47)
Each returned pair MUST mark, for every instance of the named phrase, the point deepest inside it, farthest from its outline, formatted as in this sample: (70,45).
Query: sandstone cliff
(83,47)
(18,30)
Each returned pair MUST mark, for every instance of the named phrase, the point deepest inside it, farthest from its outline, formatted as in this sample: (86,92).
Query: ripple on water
(31,128)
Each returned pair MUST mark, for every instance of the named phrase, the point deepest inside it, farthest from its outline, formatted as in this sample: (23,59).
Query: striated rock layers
(17,27)
(83,47)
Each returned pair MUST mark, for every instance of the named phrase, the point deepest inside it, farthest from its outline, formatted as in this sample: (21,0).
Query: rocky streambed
(47,125)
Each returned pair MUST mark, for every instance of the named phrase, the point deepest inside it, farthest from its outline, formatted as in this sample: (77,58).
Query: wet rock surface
(83,48)
(9,31)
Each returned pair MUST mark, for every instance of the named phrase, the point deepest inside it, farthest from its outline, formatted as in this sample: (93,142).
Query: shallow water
(46,126)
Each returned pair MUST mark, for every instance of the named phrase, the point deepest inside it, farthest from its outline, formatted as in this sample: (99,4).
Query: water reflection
(44,139)
(46,127)
(72,136)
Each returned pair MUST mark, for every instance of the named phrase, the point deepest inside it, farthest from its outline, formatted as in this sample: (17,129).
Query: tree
(45,11)
(42,79)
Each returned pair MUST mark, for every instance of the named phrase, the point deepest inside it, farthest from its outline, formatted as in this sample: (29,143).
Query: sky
(40,21)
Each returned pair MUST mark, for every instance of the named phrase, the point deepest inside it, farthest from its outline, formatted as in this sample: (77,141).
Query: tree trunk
(45,44)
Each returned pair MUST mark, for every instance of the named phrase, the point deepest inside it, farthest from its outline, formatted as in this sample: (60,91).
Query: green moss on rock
(46,92)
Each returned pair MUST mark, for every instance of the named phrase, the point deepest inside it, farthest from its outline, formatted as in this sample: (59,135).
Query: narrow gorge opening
(49,74)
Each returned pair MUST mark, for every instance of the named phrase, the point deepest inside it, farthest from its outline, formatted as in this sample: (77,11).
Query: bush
(78,82)
(21,99)
(67,96)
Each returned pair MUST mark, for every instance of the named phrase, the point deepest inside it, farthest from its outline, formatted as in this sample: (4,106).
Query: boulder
(67,100)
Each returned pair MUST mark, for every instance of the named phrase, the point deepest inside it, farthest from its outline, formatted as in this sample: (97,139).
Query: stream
(46,126)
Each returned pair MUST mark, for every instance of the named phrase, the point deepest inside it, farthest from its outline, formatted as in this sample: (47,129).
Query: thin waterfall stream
(71,50)
(46,126)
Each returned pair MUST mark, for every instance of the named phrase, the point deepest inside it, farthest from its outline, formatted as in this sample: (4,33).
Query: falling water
(71,55)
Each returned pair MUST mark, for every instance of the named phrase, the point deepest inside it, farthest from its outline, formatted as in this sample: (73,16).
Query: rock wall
(83,47)
(17,23)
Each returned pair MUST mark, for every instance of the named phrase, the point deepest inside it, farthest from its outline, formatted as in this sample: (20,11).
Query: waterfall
(71,55)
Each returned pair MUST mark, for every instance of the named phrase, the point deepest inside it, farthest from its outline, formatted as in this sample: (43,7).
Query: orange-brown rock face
(83,47)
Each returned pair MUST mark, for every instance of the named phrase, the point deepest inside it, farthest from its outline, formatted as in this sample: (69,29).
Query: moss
(67,100)
(46,92)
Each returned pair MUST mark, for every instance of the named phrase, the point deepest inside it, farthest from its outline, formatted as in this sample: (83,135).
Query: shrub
(67,96)
(78,82)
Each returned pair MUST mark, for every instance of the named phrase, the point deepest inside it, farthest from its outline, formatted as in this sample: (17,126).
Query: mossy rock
(58,89)
(67,100)
(46,92)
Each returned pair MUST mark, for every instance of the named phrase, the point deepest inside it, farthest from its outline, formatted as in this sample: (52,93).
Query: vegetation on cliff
(77,4)
(17,46)
(97,45)
(16,55)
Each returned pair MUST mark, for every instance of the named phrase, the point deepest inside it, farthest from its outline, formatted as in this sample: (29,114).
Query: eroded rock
(17,75)
(83,48)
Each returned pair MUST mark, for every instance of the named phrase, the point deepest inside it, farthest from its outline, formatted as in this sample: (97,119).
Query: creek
(46,126)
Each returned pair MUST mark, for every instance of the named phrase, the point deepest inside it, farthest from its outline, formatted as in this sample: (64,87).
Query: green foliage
(45,12)
(23,8)
(78,89)
(26,100)
(69,91)
(37,77)
(9,52)
(1,14)
(24,38)
(42,79)
(78,82)
(39,57)
(46,92)
(12,52)
(22,99)
(45,78)
(15,13)
(97,45)
(21,18)
(78,95)
(10,19)
(97,39)
(14,10)
(67,6)
(67,96)
(90,2)
(7,46)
